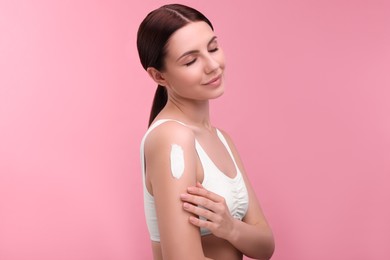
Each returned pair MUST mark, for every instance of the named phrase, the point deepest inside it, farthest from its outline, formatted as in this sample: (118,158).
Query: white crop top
(232,189)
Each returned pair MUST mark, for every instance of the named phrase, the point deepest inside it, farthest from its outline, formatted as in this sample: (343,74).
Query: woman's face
(194,63)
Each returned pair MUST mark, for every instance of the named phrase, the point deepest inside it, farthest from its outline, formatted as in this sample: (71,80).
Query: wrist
(234,232)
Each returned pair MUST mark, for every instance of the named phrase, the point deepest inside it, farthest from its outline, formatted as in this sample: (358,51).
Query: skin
(186,77)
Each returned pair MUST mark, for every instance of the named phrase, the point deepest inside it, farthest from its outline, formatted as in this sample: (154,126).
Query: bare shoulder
(169,133)
(164,141)
(170,145)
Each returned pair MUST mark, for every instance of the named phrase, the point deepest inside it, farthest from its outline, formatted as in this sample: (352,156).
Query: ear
(157,76)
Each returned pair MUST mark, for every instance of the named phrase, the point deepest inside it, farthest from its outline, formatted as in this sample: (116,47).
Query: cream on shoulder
(177,161)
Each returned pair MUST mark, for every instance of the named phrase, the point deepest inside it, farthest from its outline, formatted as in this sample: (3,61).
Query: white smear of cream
(177,161)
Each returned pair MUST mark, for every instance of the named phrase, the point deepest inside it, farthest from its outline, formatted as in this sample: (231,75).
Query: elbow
(269,247)
(266,248)
(267,251)
(265,254)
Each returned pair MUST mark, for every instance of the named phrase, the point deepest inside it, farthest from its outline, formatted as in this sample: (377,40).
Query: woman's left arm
(252,236)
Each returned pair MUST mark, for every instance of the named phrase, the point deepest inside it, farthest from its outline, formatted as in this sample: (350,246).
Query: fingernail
(191,188)
(183,195)
(186,205)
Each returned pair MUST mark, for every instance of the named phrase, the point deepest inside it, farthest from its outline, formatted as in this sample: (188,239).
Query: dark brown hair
(152,37)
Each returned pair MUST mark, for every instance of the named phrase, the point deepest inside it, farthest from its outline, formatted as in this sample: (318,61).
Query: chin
(218,94)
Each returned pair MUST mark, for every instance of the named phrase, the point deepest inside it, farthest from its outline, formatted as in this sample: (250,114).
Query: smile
(215,80)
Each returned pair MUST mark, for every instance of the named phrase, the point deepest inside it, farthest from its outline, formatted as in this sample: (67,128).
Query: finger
(201,223)
(199,211)
(200,201)
(200,191)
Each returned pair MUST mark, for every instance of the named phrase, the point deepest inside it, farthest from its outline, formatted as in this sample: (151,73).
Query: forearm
(253,241)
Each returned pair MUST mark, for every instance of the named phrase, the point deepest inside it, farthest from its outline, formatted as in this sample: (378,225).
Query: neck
(192,112)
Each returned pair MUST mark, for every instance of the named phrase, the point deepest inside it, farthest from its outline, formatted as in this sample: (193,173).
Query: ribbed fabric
(232,189)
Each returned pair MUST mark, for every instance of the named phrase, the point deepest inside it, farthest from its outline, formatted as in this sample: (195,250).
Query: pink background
(307,103)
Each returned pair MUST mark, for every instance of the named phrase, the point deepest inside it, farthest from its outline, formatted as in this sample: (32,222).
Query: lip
(213,80)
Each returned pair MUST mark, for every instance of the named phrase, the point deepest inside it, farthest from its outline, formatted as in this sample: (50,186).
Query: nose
(211,64)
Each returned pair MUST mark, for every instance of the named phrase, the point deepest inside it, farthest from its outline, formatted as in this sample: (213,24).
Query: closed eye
(213,50)
(191,62)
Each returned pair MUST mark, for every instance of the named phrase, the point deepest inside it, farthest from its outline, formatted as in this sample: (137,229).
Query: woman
(198,201)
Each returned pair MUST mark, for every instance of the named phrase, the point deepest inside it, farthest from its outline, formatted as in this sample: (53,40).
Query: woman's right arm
(178,238)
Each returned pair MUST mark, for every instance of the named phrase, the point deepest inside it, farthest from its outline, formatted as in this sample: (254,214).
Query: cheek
(191,75)
(182,77)
(221,59)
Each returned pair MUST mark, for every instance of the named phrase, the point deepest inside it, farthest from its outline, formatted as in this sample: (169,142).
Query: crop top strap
(157,123)
(161,121)
(225,143)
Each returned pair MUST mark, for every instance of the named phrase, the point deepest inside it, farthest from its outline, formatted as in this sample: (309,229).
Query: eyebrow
(196,51)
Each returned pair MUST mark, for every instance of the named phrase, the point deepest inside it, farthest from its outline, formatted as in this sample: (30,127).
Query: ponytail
(159,102)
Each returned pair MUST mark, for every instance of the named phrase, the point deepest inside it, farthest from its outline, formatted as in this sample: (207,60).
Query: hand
(213,208)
